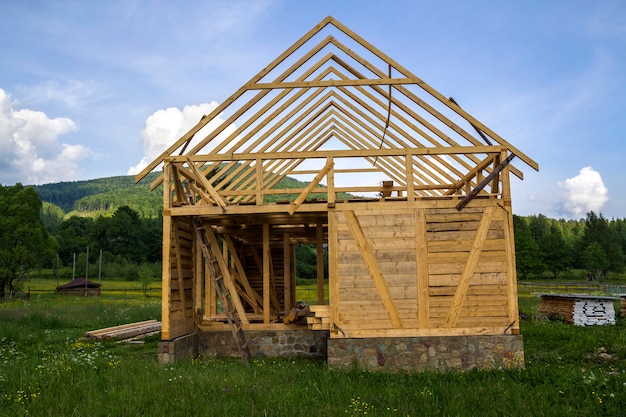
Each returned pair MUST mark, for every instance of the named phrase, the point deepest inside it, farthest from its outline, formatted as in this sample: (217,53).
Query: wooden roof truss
(329,112)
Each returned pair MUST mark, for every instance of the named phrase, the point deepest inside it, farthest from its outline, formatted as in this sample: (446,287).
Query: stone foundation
(275,344)
(179,349)
(427,353)
(376,354)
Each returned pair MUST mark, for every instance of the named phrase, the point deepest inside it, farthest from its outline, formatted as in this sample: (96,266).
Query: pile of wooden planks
(125,332)
(320,320)
(579,309)
(297,314)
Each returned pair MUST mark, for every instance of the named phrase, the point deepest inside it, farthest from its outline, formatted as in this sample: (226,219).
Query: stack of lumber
(581,310)
(297,314)
(320,320)
(126,331)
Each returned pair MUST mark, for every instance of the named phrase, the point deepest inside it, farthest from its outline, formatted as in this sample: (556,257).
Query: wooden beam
(331,83)
(484,182)
(421,269)
(470,267)
(319,256)
(432,92)
(298,201)
(266,273)
(219,109)
(228,278)
(166,277)
(373,268)
(333,283)
(205,183)
(287,273)
(243,278)
(340,153)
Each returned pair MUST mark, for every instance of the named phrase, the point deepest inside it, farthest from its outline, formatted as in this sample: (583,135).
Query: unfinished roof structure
(408,193)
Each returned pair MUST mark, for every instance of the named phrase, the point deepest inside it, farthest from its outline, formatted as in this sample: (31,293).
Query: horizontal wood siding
(181,276)
(465,269)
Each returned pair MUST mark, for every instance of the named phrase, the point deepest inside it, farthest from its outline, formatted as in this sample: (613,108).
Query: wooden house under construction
(408,194)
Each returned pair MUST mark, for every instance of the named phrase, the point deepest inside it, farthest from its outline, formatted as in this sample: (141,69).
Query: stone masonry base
(422,353)
(376,354)
(179,349)
(275,344)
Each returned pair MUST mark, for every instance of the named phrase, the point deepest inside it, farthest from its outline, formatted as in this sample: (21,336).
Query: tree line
(593,248)
(37,235)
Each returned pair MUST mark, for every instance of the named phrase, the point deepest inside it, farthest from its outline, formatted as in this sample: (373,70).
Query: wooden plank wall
(181,303)
(434,270)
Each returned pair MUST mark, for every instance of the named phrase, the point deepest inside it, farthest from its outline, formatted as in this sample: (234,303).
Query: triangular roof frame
(332,100)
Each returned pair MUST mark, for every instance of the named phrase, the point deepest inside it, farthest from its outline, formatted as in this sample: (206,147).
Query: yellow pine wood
(266,273)
(241,273)
(225,270)
(372,266)
(421,259)
(319,235)
(288,296)
(469,268)
(298,201)
(201,179)
(333,279)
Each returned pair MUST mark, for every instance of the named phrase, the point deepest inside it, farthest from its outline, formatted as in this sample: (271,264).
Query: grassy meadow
(46,369)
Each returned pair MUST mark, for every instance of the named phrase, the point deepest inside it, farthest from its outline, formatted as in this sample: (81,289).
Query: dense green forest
(592,248)
(120,221)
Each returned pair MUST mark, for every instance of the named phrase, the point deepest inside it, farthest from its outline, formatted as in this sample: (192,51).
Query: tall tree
(24,241)
(597,230)
(555,252)
(526,249)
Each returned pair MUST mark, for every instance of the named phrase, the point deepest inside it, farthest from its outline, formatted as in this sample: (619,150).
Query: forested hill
(103,195)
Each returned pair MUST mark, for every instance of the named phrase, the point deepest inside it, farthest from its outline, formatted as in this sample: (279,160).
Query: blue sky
(92,89)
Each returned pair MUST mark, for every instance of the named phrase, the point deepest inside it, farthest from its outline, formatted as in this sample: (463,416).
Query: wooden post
(421,269)
(259,182)
(319,239)
(266,273)
(166,258)
(410,179)
(333,284)
(287,273)
(330,179)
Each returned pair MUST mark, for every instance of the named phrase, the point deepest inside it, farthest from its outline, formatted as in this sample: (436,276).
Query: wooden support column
(333,284)
(287,273)
(259,182)
(421,269)
(319,240)
(266,273)
(410,179)
(198,268)
(331,197)
(509,237)
(167,245)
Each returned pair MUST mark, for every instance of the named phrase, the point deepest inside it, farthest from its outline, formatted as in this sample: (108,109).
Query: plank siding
(446,277)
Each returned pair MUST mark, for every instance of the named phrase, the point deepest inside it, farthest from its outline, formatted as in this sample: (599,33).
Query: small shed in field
(80,286)
(409,193)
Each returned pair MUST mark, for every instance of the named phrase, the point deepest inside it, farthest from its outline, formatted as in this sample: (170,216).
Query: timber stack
(579,309)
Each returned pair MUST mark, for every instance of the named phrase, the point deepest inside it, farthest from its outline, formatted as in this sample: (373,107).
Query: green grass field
(46,369)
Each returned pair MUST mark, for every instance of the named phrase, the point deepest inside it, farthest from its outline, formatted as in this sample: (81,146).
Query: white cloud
(166,126)
(30,151)
(583,193)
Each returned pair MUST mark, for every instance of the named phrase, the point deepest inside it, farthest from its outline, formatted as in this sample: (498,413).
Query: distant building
(80,287)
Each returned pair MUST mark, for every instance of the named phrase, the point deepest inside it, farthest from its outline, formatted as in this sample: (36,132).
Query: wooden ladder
(210,252)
